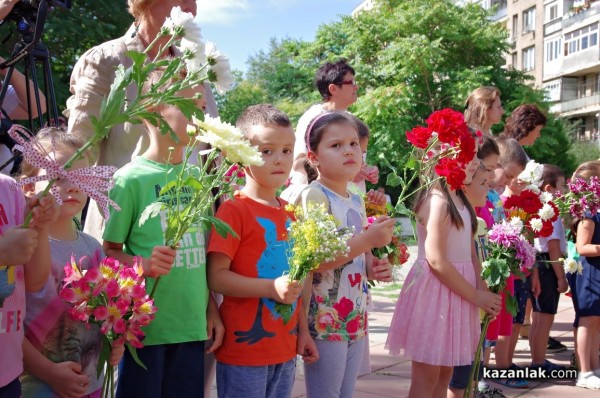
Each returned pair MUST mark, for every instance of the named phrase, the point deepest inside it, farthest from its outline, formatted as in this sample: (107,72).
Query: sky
(241,28)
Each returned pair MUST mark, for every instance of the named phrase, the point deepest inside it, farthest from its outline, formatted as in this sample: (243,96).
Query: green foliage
(245,93)
(584,151)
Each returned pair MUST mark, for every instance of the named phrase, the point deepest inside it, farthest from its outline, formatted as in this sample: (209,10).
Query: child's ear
(312,158)
(547,188)
(29,190)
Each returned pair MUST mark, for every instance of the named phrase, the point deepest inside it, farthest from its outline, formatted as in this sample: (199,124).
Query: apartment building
(571,73)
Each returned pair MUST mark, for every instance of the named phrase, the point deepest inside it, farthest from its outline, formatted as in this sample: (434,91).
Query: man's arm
(6,7)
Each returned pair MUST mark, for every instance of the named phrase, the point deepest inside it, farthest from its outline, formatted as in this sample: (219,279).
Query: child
(337,311)
(173,348)
(436,322)
(488,152)
(258,355)
(586,295)
(61,354)
(548,280)
(366,173)
(24,266)
(483,109)
(512,162)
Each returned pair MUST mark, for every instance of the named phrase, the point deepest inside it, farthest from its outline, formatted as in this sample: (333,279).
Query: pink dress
(431,323)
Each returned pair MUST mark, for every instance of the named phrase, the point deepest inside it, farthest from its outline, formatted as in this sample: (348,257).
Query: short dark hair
(523,120)
(261,115)
(511,152)
(361,127)
(331,73)
(488,147)
(551,174)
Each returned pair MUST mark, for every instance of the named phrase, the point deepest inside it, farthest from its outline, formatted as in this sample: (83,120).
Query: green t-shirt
(182,295)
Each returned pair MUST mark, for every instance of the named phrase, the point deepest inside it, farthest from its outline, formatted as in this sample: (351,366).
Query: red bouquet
(537,211)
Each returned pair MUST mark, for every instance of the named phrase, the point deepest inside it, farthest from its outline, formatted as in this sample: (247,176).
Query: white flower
(546,212)
(534,188)
(546,197)
(228,139)
(219,70)
(536,224)
(532,173)
(517,223)
(182,24)
(193,55)
(571,266)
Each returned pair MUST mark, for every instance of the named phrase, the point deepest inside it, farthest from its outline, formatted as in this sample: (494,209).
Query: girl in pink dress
(436,321)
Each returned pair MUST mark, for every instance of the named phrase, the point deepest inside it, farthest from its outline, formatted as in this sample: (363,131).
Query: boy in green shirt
(187,313)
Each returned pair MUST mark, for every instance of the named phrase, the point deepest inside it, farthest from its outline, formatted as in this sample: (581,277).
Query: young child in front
(436,321)
(512,162)
(548,280)
(61,354)
(586,297)
(24,266)
(187,314)
(338,300)
(258,355)
(476,192)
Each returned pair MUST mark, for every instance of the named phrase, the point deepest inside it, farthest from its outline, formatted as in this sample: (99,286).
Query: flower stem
(477,359)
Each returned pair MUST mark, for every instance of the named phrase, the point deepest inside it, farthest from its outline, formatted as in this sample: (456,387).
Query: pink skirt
(432,324)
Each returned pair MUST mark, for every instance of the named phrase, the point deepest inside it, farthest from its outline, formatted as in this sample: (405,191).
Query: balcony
(578,106)
(552,27)
(571,19)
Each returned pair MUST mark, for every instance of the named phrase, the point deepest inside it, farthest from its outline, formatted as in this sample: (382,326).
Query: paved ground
(390,376)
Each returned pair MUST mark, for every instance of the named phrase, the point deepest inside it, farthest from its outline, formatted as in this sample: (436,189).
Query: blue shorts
(460,376)
(11,390)
(174,370)
(522,288)
(268,381)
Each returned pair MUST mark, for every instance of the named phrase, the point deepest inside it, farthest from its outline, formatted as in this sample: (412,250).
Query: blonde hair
(50,138)
(137,8)
(587,170)
(477,104)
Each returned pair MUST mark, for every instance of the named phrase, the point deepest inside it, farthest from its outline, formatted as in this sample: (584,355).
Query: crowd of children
(436,322)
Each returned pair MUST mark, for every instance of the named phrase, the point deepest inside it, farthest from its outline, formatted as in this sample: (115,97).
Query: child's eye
(266,152)
(286,151)
(354,143)
(335,145)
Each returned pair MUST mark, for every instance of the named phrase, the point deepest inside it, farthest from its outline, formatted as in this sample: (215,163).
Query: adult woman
(525,124)
(483,109)
(92,77)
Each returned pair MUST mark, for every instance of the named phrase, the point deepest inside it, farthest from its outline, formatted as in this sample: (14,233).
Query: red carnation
(419,136)
(448,123)
(344,307)
(452,172)
(547,229)
(466,149)
(513,201)
(556,211)
(530,202)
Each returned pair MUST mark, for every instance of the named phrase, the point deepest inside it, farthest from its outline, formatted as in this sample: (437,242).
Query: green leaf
(393,180)
(134,355)
(105,348)
(511,304)
(151,211)
(221,227)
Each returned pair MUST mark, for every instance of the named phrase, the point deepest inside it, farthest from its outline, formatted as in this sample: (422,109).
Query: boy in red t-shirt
(258,354)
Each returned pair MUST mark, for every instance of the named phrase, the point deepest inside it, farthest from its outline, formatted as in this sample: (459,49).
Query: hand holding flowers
(114,297)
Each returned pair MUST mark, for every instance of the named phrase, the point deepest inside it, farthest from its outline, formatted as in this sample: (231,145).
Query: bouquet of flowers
(396,251)
(314,238)
(509,252)
(537,211)
(583,197)
(229,148)
(445,146)
(114,297)
(201,62)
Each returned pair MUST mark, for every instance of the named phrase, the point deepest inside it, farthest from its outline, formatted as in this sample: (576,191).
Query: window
(514,60)
(553,49)
(528,58)
(551,12)
(581,39)
(515,26)
(528,20)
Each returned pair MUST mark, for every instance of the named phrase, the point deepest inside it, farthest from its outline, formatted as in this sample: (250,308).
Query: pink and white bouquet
(509,252)
(114,297)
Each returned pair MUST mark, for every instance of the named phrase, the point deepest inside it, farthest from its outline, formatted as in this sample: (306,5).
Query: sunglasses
(351,82)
